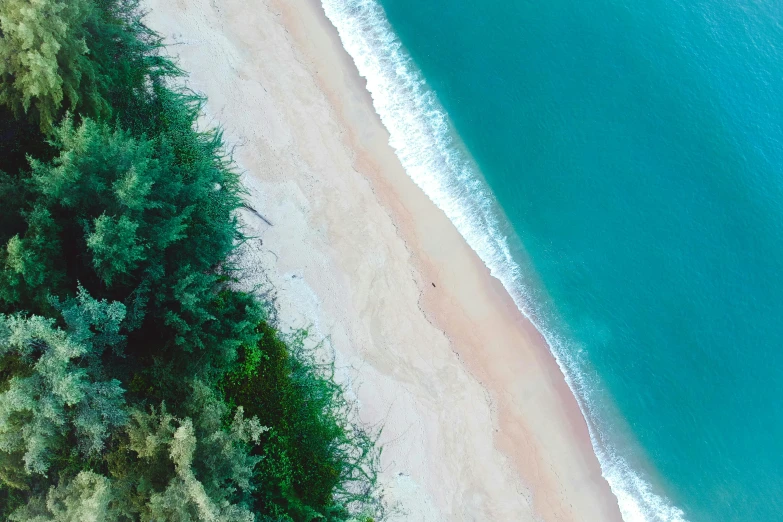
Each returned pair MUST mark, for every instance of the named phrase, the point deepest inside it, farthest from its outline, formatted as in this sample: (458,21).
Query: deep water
(635,150)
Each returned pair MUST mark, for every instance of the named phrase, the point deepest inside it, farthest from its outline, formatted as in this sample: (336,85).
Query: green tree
(52,395)
(136,382)
(165,468)
(316,464)
(86,498)
(146,222)
(33,266)
(44,59)
(213,468)
(13,195)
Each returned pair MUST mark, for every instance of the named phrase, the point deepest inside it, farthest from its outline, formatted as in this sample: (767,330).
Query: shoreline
(426,338)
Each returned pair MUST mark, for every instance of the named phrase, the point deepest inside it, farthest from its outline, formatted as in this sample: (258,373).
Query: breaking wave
(425,142)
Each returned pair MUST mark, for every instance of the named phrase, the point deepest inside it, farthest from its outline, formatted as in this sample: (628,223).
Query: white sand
(478,421)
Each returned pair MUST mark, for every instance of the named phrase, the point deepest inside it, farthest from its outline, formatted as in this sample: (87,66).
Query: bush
(315,463)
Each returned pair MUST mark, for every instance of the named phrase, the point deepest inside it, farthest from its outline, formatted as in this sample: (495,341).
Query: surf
(429,150)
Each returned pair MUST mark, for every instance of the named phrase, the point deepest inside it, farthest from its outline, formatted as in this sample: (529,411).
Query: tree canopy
(136,381)
(44,60)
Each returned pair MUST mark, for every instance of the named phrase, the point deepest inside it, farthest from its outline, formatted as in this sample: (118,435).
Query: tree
(52,395)
(86,498)
(44,59)
(316,464)
(148,220)
(134,376)
(32,265)
(13,195)
(213,467)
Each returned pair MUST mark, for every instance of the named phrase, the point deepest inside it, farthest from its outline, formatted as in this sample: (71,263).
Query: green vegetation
(136,382)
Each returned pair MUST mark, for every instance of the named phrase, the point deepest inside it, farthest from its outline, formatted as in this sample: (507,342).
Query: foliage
(145,222)
(164,469)
(85,498)
(95,58)
(315,463)
(12,194)
(43,58)
(51,396)
(136,382)
(186,469)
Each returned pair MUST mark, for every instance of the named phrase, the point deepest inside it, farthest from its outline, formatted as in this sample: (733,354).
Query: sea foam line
(422,137)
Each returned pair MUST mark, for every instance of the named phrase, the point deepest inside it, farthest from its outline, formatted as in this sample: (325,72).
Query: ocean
(618,166)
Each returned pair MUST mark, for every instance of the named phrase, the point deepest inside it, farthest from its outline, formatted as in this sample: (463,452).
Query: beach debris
(257,213)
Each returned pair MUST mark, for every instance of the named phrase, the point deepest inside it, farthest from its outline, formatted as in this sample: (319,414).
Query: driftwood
(257,213)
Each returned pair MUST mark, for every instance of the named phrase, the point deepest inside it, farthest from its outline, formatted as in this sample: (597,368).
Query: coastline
(425,337)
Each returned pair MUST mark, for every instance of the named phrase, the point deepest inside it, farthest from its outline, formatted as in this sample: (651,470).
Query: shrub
(315,462)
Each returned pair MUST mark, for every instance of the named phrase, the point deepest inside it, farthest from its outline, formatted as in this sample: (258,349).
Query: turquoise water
(618,167)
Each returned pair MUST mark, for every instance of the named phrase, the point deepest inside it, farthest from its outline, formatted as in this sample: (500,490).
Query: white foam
(423,140)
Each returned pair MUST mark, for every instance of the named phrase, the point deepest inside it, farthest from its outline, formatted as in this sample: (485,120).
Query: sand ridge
(478,423)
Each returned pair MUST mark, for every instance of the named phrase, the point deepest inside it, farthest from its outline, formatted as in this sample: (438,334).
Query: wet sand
(478,422)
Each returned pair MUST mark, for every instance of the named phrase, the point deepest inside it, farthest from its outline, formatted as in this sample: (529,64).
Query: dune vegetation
(137,382)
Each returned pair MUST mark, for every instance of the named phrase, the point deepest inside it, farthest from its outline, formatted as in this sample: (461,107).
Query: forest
(137,381)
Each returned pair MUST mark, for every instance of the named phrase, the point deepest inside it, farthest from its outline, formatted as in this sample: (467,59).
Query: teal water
(620,168)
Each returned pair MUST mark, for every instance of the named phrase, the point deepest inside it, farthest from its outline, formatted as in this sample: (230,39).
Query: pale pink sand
(479,423)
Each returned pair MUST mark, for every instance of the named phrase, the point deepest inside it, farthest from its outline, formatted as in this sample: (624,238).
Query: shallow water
(635,150)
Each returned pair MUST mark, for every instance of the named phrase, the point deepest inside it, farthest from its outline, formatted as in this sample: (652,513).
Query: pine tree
(213,467)
(86,498)
(44,59)
(134,219)
(191,469)
(32,264)
(53,395)
(128,359)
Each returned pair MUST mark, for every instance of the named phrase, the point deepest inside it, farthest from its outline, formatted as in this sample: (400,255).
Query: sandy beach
(478,422)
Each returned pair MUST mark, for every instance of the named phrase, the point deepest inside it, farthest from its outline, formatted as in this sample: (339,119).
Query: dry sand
(478,422)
